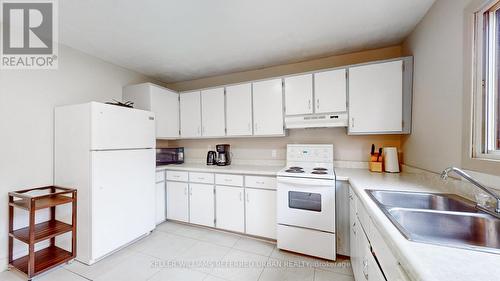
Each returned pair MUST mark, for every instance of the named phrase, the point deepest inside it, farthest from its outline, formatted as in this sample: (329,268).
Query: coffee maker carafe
(211,158)
(223,154)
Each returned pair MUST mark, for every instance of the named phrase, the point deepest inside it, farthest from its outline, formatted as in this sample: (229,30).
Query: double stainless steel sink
(442,219)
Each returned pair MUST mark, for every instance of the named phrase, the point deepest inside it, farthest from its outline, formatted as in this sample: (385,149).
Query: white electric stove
(306,201)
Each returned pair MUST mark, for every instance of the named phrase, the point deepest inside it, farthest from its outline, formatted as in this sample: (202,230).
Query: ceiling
(188,39)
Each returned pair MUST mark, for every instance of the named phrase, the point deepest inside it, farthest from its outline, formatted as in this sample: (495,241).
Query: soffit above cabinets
(182,40)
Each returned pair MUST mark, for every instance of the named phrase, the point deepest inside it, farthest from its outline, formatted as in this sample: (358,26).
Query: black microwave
(166,156)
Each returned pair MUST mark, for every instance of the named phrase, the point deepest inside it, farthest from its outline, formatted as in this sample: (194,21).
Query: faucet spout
(444,176)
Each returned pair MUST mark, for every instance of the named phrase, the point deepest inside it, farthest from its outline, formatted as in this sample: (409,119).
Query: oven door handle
(304,181)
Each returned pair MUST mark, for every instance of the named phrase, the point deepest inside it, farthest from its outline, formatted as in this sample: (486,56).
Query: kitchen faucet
(444,176)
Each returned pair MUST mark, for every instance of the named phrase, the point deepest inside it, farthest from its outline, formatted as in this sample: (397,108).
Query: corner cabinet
(380,97)
(162,101)
(268,108)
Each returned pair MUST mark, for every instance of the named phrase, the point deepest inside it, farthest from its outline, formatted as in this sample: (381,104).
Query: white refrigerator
(107,153)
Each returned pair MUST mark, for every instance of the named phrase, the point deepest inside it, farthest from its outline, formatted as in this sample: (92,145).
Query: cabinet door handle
(309,104)
(317,103)
(352,122)
(365,268)
(185,190)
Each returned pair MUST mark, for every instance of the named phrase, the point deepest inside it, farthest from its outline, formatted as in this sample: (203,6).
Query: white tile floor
(207,254)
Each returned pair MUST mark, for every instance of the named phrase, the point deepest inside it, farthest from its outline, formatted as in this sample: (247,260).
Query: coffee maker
(223,154)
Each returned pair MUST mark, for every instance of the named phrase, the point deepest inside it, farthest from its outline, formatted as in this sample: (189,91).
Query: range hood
(316,121)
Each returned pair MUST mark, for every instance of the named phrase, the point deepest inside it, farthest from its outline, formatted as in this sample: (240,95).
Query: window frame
(485,100)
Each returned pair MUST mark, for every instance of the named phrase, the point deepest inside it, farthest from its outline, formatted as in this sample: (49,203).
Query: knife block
(374,165)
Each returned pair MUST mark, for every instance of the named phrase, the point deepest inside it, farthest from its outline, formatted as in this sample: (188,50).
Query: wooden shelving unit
(31,200)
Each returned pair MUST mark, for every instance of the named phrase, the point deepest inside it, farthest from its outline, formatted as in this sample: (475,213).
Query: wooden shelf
(31,200)
(45,259)
(42,203)
(43,231)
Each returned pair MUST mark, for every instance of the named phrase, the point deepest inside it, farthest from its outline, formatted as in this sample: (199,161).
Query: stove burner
(320,169)
(294,171)
(316,172)
(295,168)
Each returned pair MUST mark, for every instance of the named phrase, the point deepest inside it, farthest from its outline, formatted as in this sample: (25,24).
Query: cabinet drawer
(160,176)
(260,182)
(201,177)
(233,180)
(177,176)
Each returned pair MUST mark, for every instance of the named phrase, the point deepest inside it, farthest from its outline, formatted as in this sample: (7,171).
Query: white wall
(27,101)
(437,46)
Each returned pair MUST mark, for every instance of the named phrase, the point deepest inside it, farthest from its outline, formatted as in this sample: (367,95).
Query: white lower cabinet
(201,204)
(160,203)
(260,212)
(366,244)
(245,204)
(230,208)
(177,201)
(354,247)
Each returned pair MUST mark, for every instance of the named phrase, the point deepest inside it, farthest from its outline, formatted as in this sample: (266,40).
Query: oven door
(308,203)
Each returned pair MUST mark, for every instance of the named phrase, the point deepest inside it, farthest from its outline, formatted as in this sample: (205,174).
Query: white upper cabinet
(268,107)
(190,108)
(213,113)
(162,101)
(239,110)
(299,94)
(330,91)
(376,98)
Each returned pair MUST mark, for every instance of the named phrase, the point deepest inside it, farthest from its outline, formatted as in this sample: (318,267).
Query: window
(487,94)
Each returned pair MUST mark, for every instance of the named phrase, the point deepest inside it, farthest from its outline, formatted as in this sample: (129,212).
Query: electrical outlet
(274,153)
